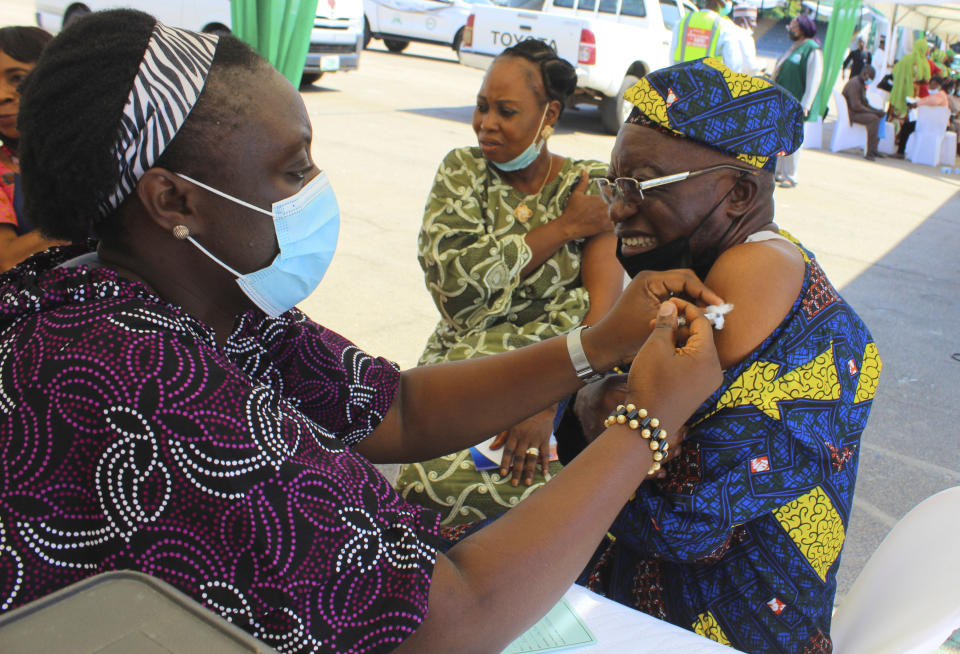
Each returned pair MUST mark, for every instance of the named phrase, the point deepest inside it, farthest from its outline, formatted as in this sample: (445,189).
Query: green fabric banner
(843,21)
(278,29)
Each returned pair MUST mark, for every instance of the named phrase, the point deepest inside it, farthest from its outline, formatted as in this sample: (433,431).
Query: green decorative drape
(278,29)
(843,21)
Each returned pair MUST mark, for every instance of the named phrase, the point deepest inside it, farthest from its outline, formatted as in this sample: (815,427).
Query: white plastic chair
(925,145)
(877,97)
(813,134)
(845,134)
(888,144)
(906,600)
(948,149)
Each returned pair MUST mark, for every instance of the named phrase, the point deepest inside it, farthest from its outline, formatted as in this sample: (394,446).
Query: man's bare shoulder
(762,281)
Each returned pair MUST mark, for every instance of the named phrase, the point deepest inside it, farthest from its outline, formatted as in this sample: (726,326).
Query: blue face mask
(307,225)
(726,9)
(529,155)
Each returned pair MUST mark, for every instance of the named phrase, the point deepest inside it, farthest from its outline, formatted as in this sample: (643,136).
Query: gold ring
(533,451)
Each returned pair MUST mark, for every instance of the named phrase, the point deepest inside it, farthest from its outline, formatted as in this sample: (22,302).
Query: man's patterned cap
(746,117)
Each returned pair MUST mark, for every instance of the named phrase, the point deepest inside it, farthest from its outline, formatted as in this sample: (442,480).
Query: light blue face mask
(727,8)
(529,155)
(307,225)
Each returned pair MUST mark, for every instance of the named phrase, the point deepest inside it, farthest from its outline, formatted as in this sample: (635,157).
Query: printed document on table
(559,629)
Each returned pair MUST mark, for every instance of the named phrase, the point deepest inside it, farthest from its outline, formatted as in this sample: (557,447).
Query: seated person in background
(166,409)
(936,97)
(741,540)
(935,71)
(516,248)
(20,47)
(859,109)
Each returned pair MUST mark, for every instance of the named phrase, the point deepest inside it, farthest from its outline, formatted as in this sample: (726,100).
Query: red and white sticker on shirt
(760,464)
(671,97)
(776,605)
(852,367)
(697,37)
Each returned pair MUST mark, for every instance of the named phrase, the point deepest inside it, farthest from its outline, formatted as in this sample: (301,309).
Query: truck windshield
(627,7)
(670,12)
(533,5)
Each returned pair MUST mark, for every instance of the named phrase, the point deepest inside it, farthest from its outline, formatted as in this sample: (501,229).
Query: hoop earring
(180,232)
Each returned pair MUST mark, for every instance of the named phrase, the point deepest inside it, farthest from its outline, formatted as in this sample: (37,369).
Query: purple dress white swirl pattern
(130,440)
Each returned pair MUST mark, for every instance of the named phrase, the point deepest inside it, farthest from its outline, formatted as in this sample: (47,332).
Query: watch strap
(578,357)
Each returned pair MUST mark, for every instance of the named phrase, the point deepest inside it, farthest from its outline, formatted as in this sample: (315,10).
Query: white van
(335,42)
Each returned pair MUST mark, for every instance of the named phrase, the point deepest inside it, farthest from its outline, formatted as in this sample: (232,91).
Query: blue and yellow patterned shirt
(742,541)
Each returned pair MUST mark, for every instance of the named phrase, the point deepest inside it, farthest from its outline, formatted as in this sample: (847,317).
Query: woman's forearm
(544,241)
(441,408)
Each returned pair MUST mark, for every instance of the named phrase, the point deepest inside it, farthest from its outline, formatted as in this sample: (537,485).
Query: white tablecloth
(623,630)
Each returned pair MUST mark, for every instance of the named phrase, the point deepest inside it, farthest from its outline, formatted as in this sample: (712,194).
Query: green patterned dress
(472,249)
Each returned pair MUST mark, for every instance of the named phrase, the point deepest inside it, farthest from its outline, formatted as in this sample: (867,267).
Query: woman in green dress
(516,248)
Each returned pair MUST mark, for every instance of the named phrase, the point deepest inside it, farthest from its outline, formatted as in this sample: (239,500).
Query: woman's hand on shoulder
(762,281)
(585,215)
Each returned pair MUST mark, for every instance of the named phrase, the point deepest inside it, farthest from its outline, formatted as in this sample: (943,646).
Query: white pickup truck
(611,43)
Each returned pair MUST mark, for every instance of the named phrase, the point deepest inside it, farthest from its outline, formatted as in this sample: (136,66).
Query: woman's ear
(553,112)
(168,199)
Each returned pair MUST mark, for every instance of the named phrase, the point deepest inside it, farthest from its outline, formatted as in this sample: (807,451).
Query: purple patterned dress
(130,440)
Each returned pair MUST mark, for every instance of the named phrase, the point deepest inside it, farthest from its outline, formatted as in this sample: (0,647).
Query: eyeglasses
(630,189)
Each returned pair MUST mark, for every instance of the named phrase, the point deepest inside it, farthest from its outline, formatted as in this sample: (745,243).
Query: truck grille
(332,48)
(332,23)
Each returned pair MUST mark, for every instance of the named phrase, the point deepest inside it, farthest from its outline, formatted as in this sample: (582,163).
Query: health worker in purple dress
(165,408)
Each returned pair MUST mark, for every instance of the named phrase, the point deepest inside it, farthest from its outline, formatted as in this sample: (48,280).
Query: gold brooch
(522,212)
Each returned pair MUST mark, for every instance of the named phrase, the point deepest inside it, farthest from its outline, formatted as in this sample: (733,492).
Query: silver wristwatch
(578,357)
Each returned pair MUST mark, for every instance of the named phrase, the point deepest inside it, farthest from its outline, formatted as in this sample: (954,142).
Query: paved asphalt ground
(885,232)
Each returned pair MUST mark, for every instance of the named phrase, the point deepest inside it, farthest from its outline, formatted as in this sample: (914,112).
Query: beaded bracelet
(635,418)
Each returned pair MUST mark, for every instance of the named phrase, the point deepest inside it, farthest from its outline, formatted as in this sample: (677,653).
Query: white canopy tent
(939,17)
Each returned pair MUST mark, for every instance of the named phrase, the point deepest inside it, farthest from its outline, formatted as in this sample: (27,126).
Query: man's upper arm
(761,281)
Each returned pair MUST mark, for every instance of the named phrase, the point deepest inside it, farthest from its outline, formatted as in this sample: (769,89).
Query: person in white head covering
(745,20)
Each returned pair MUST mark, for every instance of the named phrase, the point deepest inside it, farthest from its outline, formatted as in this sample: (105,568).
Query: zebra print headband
(167,86)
